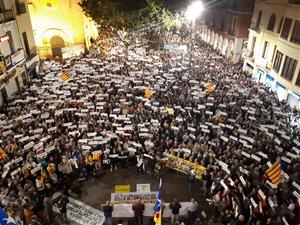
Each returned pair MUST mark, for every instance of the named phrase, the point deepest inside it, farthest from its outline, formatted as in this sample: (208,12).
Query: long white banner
(82,213)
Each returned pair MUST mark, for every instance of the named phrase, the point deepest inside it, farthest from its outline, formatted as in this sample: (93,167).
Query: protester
(192,211)
(138,207)
(191,180)
(107,210)
(175,207)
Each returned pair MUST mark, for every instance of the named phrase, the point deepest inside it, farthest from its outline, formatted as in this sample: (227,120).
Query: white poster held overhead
(82,213)
(143,188)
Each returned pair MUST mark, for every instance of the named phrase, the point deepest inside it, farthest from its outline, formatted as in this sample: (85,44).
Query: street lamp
(191,14)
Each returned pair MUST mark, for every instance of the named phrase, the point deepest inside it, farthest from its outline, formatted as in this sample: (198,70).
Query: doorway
(57,43)
(4,95)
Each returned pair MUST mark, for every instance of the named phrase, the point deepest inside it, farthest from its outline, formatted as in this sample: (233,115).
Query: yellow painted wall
(64,18)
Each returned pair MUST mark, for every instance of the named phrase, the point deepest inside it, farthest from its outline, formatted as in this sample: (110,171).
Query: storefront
(294,100)
(270,81)
(281,91)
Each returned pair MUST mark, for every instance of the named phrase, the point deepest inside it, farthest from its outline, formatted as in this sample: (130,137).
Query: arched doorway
(57,43)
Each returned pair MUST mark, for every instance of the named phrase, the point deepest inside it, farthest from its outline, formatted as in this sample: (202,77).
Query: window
(252,47)
(272,22)
(289,68)
(233,24)
(2,5)
(265,50)
(257,24)
(286,28)
(274,51)
(295,38)
(277,63)
(11,42)
(298,79)
(280,25)
(26,43)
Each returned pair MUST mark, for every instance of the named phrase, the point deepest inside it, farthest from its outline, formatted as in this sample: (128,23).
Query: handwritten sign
(82,213)
(143,188)
(131,197)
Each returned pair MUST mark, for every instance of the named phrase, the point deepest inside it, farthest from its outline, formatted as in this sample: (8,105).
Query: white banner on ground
(143,188)
(82,213)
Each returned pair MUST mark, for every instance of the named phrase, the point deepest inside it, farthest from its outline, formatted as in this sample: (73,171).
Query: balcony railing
(6,16)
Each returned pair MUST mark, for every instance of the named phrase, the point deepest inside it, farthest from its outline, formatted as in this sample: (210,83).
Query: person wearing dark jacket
(62,206)
(175,207)
(138,209)
(108,209)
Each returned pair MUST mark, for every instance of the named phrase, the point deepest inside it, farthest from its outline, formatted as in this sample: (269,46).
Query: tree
(123,18)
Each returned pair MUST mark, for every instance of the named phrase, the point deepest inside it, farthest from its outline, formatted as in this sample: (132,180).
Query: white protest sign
(143,188)
(82,213)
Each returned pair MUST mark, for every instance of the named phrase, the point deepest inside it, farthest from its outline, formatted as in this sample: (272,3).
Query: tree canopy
(129,15)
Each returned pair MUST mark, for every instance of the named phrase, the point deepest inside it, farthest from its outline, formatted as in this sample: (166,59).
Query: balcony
(6,16)
(14,58)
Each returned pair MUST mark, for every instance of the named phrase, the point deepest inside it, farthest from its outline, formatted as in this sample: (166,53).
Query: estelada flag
(149,92)
(274,173)
(65,76)
(158,207)
(210,88)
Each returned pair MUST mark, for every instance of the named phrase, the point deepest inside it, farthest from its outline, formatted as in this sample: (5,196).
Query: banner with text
(122,188)
(82,213)
(184,166)
(131,197)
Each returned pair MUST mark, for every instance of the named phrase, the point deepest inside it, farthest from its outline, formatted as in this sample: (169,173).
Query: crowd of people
(57,133)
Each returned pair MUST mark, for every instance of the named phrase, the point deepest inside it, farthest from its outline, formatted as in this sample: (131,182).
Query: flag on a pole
(158,207)
(6,219)
(65,76)
(149,91)
(274,173)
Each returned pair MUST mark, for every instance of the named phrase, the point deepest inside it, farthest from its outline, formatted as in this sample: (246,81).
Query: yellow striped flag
(210,88)
(149,92)
(65,76)
(274,173)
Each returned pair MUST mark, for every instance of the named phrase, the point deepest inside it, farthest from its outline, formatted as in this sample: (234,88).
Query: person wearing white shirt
(192,210)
